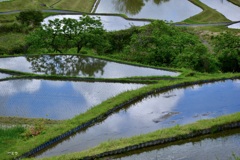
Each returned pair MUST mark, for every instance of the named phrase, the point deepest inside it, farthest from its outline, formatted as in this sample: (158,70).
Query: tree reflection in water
(132,7)
(69,65)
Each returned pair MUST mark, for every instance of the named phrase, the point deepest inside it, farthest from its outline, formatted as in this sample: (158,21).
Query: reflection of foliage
(133,7)
(159,1)
(129,6)
(67,65)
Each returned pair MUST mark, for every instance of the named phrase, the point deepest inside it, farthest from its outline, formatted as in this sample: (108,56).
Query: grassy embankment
(13,130)
(22,146)
(208,15)
(236,2)
(10,41)
(160,134)
(80,5)
(9,137)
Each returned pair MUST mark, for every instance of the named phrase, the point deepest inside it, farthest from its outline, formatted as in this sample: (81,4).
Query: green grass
(19,121)
(236,2)
(79,5)
(58,129)
(20,5)
(160,134)
(9,137)
(208,15)
(9,41)
(7,18)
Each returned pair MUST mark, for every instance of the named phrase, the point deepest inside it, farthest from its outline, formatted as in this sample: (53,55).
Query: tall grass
(9,137)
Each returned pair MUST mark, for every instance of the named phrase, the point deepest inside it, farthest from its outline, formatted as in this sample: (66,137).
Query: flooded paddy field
(228,9)
(71,65)
(170,10)
(178,106)
(110,23)
(56,100)
(235,26)
(221,147)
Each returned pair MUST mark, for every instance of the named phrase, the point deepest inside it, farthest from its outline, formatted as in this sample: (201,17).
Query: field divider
(112,110)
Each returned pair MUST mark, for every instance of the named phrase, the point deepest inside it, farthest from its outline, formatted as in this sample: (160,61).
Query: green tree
(59,35)
(30,17)
(227,48)
(162,44)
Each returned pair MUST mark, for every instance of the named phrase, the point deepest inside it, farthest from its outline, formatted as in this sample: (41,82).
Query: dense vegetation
(61,35)
(227,47)
(9,137)
(158,44)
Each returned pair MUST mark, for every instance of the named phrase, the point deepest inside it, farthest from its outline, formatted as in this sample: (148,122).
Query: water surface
(71,65)
(110,23)
(54,99)
(170,10)
(179,106)
(225,7)
(2,75)
(219,148)
(235,26)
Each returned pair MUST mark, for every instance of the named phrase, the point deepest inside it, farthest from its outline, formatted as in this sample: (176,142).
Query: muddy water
(110,23)
(225,7)
(54,99)
(70,65)
(170,10)
(179,106)
(220,147)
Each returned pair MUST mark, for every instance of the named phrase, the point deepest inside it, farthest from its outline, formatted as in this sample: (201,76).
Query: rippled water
(54,99)
(170,10)
(110,23)
(70,65)
(179,106)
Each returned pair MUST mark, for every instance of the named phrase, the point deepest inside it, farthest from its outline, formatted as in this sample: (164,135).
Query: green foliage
(162,44)
(36,129)
(30,17)
(118,39)
(15,27)
(8,137)
(59,35)
(12,43)
(227,48)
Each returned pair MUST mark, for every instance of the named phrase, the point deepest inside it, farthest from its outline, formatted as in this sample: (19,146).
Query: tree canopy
(162,44)
(227,48)
(59,35)
(30,17)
